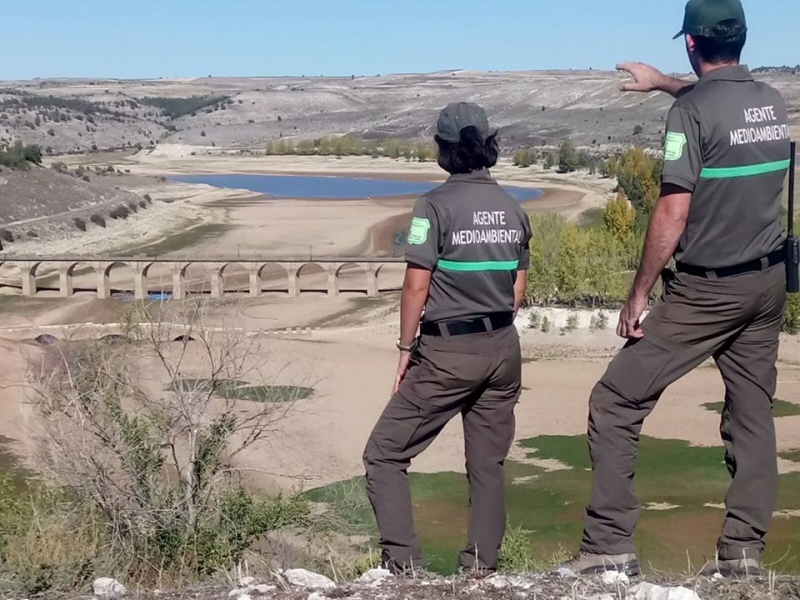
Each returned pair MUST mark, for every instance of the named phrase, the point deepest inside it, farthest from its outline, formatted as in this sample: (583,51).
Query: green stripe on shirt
(452,265)
(748,171)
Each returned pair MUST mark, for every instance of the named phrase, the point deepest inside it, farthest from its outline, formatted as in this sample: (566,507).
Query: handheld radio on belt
(792,242)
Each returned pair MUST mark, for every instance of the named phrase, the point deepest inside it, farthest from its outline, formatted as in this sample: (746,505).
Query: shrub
(572,322)
(792,314)
(638,130)
(6,236)
(568,158)
(89,401)
(546,325)
(599,322)
(148,199)
(535,320)
(80,224)
(524,158)
(121,212)
(98,220)
(142,204)
(175,108)
(133,206)
(20,156)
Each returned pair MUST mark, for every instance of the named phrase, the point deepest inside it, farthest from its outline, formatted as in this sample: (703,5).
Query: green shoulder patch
(418,234)
(674,145)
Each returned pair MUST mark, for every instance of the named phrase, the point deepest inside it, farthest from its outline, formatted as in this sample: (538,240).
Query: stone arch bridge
(69,268)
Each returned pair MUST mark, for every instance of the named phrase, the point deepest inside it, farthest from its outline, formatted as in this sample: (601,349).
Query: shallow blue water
(330,187)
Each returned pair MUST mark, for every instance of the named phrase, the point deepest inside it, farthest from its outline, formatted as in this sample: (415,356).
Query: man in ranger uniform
(467,267)
(726,156)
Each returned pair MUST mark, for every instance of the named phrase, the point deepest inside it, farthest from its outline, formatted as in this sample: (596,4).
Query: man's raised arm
(650,79)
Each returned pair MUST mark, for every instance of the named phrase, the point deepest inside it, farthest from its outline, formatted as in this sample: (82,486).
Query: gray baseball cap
(459,115)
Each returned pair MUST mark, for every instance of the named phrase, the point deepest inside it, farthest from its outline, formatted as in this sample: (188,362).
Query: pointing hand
(646,78)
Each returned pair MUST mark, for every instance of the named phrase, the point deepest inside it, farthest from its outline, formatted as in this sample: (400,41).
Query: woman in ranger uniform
(467,259)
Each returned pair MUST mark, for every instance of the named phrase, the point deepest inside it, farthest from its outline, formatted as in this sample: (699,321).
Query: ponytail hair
(471,153)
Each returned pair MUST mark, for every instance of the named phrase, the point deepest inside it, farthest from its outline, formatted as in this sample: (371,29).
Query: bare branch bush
(147,427)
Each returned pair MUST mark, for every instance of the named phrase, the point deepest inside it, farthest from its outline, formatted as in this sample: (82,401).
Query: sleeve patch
(418,233)
(674,145)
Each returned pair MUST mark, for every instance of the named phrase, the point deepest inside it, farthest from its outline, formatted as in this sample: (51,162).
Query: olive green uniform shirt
(727,142)
(474,237)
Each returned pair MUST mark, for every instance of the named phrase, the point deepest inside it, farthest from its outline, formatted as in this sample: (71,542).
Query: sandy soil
(350,359)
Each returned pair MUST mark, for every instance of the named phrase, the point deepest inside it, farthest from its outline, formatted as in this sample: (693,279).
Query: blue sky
(185,38)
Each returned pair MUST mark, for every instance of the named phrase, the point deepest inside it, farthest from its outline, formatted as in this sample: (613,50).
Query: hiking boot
(593,564)
(736,568)
(408,573)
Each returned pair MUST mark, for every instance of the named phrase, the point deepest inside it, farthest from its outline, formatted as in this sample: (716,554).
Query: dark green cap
(459,115)
(703,15)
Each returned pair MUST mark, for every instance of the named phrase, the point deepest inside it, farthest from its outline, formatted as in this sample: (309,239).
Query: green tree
(619,216)
(568,158)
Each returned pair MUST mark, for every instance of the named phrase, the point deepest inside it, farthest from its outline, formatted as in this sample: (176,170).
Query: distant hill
(70,116)
(38,201)
(784,70)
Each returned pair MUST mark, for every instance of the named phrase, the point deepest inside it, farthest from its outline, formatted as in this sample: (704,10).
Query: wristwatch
(404,348)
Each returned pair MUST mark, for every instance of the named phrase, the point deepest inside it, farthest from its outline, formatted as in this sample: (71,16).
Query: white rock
(244,597)
(247,581)
(682,593)
(264,589)
(567,573)
(648,591)
(374,576)
(316,596)
(717,576)
(615,577)
(603,597)
(105,587)
(307,579)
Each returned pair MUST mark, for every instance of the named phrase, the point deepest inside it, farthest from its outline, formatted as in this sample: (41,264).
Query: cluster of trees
(354,146)
(24,100)
(567,159)
(20,156)
(175,108)
(584,265)
(593,265)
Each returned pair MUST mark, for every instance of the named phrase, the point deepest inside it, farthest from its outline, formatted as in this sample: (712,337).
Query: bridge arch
(317,278)
(190,277)
(105,283)
(68,272)
(389,276)
(29,273)
(232,277)
(355,277)
(272,277)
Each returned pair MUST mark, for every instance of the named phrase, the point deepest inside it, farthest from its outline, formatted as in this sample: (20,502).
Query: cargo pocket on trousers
(641,370)
(401,420)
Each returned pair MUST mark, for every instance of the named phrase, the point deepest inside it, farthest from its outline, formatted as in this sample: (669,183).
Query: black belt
(767,262)
(485,324)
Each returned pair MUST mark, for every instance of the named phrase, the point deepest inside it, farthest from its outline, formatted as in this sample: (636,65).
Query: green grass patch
(546,508)
(792,455)
(780,408)
(180,240)
(241,390)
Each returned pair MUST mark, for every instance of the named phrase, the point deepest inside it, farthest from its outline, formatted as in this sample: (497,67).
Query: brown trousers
(477,376)
(735,320)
